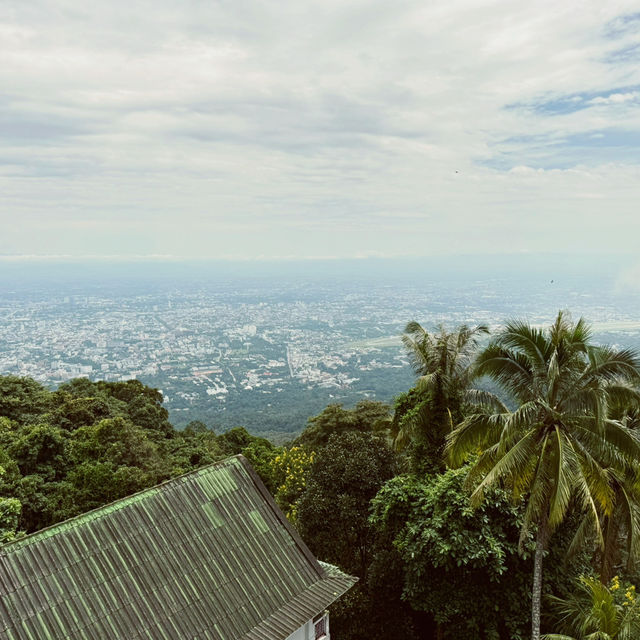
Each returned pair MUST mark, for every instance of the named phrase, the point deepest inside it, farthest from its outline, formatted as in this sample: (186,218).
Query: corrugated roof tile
(205,556)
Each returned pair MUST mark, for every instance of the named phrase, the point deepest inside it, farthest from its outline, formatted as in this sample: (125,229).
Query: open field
(384,342)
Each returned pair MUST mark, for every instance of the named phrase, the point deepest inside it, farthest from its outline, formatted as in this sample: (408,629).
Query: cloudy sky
(259,128)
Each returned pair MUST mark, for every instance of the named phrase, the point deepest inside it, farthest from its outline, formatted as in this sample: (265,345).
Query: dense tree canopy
(366,416)
(346,474)
(88,443)
(333,518)
(9,514)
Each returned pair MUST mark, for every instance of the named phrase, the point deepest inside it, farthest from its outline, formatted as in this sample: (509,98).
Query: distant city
(267,351)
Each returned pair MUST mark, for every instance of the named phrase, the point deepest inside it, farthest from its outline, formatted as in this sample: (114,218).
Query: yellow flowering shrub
(289,470)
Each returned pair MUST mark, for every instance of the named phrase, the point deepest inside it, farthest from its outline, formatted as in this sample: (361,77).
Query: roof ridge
(49,531)
(332,586)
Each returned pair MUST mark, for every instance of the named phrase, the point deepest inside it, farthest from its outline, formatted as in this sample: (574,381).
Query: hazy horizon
(268,344)
(518,264)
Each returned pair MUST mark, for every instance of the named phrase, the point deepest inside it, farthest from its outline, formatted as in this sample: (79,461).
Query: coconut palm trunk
(536,592)
(609,550)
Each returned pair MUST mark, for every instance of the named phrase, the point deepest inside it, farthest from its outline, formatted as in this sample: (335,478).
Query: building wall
(307,632)
(303,633)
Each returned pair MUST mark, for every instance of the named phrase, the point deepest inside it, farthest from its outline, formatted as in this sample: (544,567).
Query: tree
(367,416)
(235,440)
(196,426)
(261,454)
(333,510)
(191,448)
(40,449)
(142,405)
(428,413)
(72,412)
(116,441)
(621,528)
(22,398)
(559,443)
(289,470)
(89,443)
(9,514)
(333,519)
(457,561)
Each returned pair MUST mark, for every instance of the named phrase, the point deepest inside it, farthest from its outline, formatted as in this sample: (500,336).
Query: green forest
(498,498)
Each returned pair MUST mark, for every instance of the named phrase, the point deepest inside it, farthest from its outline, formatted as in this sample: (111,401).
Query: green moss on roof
(205,555)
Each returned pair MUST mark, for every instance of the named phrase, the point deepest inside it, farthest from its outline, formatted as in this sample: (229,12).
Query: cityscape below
(267,348)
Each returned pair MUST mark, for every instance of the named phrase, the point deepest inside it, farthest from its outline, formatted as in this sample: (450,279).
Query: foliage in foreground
(333,518)
(598,612)
(458,563)
(9,514)
(461,565)
(333,511)
(424,416)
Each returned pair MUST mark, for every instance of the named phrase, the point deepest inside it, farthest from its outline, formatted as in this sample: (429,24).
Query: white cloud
(616,98)
(315,128)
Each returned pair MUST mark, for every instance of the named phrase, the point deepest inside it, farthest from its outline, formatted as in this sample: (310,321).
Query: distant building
(208,555)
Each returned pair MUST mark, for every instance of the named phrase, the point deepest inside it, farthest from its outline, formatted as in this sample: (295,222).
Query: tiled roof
(206,555)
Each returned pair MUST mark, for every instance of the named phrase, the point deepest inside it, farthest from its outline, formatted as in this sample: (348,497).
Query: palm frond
(483,463)
(510,369)
(507,465)
(485,400)
(592,482)
(618,447)
(625,441)
(528,340)
(580,333)
(583,535)
(428,381)
(564,470)
(475,432)
(536,509)
(628,504)
(523,418)
(606,363)
(622,396)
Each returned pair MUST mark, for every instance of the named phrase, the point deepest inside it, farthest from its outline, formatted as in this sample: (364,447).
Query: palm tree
(559,443)
(442,360)
(621,528)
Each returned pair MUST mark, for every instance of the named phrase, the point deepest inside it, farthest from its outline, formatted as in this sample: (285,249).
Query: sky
(259,129)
